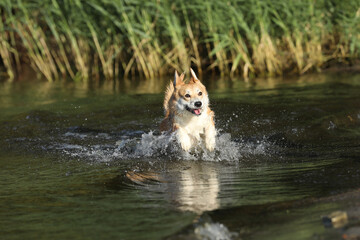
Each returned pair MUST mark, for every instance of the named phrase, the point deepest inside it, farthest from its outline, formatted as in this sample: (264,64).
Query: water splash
(153,145)
(165,146)
(213,231)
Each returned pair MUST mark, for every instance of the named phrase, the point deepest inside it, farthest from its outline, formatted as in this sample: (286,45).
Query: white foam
(77,135)
(162,146)
(213,231)
(84,135)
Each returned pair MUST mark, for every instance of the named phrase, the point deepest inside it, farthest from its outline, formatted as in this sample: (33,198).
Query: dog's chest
(193,125)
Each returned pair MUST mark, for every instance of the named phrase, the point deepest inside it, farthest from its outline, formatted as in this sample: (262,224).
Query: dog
(187,113)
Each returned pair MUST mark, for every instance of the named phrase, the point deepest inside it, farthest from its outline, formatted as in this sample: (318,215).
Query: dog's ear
(193,78)
(178,79)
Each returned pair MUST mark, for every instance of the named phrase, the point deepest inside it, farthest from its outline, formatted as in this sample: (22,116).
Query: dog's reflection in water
(194,188)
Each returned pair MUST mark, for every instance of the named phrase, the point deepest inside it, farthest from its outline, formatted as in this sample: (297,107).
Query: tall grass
(113,38)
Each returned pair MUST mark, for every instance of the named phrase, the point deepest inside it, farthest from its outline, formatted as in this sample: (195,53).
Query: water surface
(86,161)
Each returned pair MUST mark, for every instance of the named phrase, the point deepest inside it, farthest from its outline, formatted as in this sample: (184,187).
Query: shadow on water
(85,160)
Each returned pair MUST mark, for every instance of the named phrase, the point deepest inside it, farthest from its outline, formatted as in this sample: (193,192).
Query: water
(86,161)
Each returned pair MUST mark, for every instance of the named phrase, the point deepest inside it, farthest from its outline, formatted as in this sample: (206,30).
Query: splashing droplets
(163,147)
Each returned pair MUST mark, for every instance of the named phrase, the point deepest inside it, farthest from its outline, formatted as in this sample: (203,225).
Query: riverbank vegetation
(111,39)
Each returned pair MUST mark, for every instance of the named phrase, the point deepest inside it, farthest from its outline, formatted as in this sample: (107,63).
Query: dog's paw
(210,144)
(184,140)
(186,145)
(210,147)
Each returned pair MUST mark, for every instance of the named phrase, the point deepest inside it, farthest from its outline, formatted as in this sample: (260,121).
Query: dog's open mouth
(196,111)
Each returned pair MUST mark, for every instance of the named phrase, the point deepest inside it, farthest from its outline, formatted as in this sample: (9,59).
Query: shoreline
(102,39)
(334,68)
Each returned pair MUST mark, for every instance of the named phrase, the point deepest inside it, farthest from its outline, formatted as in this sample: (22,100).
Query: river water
(86,161)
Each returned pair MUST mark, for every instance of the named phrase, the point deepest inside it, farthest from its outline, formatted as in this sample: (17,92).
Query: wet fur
(190,128)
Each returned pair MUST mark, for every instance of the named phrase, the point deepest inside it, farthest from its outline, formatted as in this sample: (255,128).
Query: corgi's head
(191,97)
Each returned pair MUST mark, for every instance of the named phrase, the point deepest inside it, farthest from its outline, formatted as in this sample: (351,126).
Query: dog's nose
(198,104)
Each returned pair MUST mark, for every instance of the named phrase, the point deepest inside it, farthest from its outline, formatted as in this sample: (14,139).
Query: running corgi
(188,114)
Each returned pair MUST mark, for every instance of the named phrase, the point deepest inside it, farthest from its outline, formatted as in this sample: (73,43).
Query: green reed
(114,38)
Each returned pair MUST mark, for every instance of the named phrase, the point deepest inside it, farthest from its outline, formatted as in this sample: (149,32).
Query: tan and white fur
(187,113)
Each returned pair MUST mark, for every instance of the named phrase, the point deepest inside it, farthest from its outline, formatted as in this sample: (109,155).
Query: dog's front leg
(184,139)
(210,134)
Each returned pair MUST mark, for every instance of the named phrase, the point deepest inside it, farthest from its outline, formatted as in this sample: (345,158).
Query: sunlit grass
(121,38)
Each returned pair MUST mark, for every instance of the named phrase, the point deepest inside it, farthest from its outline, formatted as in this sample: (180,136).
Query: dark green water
(86,161)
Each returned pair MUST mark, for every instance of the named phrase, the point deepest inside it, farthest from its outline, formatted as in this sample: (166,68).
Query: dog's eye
(187,95)
(200,93)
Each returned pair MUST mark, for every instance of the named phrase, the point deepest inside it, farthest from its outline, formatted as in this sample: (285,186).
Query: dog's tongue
(197,111)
